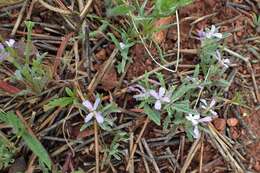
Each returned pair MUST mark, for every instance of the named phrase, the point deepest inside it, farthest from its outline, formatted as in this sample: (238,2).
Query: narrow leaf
(152,115)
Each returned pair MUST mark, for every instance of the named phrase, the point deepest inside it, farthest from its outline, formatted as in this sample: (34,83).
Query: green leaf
(168,7)
(152,115)
(120,10)
(61,102)
(31,141)
(69,92)
(181,91)
(183,107)
(110,108)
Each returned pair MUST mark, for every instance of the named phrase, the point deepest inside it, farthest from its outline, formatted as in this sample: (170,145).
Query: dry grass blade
(99,75)
(55,9)
(225,150)
(194,148)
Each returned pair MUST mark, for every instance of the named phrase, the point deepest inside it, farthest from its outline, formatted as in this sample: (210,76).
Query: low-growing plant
(21,132)
(7,152)
(113,150)
(31,73)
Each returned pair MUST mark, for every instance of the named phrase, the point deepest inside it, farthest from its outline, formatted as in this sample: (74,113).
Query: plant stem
(96,146)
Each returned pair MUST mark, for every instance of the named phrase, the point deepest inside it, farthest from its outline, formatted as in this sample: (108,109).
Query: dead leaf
(160,36)
(109,80)
(9,88)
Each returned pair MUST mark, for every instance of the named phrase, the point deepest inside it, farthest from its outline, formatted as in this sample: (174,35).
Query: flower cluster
(210,33)
(161,97)
(93,112)
(3,53)
(197,119)
(225,63)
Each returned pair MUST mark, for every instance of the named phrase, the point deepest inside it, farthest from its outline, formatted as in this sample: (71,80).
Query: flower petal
(189,117)
(139,96)
(196,116)
(122,45)
(213,29)
(88,105)
(154,94)
(196,132)
(89,117)
(212,103)
(204,102)
(218,35)
(158,105)
(161,91)
(205,119)
(218,55)
(214,113)
(226,61)
(166,99)
(1,47)
(3,55)
(99,118)
(10,42)
(96,103)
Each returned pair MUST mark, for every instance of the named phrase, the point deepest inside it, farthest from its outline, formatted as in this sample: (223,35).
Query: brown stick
(96,146)
(136,143)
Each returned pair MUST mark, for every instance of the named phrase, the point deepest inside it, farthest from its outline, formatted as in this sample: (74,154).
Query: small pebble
(219,124)
(232,122)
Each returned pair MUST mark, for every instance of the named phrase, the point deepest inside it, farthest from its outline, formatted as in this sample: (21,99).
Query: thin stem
(136,143)
(96,146)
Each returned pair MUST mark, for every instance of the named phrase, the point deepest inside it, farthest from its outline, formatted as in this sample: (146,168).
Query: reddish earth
(229,18)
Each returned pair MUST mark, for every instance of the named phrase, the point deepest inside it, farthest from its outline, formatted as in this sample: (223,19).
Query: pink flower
(142,93)
(210,33)
(93,111)
(195,120)
(161,97)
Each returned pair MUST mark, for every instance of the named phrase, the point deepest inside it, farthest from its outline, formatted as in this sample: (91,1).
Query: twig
(131,145)
(60,51)
(173,160)
(201,153)
(178,41)
(87,54)
(55,9)
(19,18)
(195,146)
(83,13)
(99,75)
(144,159)
(149,152)
(96,146)
(136,143)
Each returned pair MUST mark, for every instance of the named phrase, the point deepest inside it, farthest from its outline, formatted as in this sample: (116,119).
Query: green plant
(114,151)
(7,152)
(31,141)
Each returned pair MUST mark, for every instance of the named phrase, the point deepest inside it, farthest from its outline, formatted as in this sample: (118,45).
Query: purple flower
(3,53)
(223,62)
(209,107)
(195,120)
(142,93)
(93,111)
(161,97)
(10,42)
(209,33)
